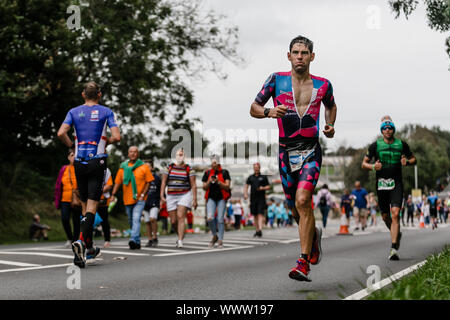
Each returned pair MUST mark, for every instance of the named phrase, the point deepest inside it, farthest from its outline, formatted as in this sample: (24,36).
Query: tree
(438,14)
(142,52)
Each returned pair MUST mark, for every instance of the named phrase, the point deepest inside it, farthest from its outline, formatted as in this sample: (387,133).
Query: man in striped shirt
(179,178)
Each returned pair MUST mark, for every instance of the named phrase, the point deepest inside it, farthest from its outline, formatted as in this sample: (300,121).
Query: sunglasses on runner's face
(385,128)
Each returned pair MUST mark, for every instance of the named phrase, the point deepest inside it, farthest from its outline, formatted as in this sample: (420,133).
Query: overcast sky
(376,64)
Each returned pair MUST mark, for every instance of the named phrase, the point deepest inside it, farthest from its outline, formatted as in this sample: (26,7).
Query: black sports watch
(266,112)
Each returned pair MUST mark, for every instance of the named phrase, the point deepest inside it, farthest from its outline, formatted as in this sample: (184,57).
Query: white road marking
(205,243)
(365,292)
(44,254)
(19,264)
(125,253)
(37,268)
(200,251)
(185,245)
(148,249)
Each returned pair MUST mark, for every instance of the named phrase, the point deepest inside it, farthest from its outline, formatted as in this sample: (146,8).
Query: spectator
(134,177)
(259,185)
(279,213)
(103,208)
(163,216)
(271,212)
(152,206)
(237,213)
(373,205)
(426,210)
(190,221)
(38,230)
(346,204)
(410,211)
(66,200)
(324,203)
(360,208)
(179,179)
(432,201)
(446,209)
(216,183)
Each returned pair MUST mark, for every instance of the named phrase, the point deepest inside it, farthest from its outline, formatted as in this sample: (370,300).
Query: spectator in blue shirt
(360,208)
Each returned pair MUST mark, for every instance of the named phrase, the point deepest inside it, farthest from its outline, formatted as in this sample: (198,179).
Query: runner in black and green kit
(390,155)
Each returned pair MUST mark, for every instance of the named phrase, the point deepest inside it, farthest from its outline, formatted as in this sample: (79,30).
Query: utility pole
(415,176)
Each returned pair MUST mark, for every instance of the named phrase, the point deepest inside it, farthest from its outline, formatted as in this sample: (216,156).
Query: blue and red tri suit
(297,132)
(90,130)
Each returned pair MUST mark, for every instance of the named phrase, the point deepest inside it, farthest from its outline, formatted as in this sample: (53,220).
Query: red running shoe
(301,272)
(316,249)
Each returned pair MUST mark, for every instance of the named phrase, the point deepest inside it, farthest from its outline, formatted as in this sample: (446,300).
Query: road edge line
(369,290)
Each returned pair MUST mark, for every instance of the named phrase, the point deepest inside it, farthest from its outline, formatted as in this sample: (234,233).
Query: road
(246,268)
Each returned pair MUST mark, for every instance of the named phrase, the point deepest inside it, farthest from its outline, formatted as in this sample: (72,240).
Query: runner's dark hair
(300,39)
(91,90)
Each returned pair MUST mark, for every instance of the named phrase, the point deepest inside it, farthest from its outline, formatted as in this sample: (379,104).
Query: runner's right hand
(278,111)
(378,165)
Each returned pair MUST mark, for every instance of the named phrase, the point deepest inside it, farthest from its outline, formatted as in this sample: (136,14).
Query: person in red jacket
(216,183)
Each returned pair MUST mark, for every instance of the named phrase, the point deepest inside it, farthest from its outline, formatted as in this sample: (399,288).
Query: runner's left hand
(194,204)
(404,161)
(329,131)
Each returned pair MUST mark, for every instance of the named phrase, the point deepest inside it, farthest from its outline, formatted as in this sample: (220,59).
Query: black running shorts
(390,198)
(90,178)
(257,206)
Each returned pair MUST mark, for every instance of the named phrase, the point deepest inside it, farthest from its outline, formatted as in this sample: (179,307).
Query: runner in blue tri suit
(89,121)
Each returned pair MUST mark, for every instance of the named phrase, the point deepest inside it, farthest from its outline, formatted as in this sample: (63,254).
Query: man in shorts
(297,96)
(89,121)
(179,178)
(360,208)
(390,155)
(258,186)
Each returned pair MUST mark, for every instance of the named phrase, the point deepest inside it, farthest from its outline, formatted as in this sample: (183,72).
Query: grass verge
(429,282)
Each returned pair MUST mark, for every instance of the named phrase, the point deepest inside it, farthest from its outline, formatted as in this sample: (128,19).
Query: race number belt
(386,184)
(298,151)
(298,157)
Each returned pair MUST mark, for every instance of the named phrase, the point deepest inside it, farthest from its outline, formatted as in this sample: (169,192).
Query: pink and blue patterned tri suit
(295,132)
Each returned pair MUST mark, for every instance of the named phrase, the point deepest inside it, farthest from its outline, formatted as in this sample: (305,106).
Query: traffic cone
(343,230)
(422,221)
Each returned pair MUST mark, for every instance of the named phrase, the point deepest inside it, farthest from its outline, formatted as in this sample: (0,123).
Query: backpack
(323,201)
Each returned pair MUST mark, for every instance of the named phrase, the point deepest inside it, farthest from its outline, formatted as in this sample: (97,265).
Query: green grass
(429,282)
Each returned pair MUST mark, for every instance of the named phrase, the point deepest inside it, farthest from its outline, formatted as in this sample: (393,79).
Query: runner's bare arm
(257,111)
(330,118)
(408,162)
(115,135)
(63,136)
(366,165)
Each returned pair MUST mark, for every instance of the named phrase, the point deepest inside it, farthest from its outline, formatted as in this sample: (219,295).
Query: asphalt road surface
(247,268)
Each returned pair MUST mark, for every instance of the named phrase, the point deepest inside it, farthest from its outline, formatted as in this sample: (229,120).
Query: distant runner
(390,155)
(297,96)
(89,121)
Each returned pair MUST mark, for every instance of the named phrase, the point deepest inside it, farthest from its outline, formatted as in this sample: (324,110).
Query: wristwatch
(266,112)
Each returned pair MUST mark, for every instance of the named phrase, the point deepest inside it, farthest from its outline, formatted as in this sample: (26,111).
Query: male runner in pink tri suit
(297,96)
